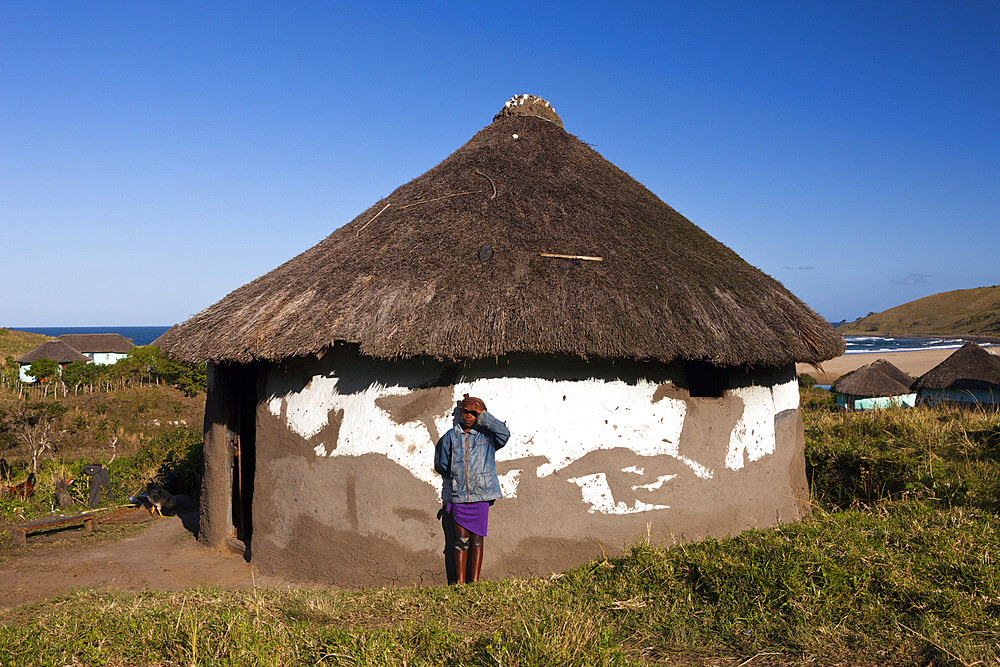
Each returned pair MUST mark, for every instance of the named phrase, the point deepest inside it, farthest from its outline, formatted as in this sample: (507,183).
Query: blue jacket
(468,460)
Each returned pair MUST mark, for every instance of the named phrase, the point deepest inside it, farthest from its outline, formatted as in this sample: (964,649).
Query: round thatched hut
(646,372)
(57,350)
(879,384)
(970,375)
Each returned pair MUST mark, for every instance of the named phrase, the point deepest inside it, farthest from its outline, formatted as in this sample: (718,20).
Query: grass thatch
(100,342)
(56,350)
(451,265)
(879,378)
(970,367)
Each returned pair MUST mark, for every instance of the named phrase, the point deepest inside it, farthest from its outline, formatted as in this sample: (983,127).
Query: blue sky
(156,155)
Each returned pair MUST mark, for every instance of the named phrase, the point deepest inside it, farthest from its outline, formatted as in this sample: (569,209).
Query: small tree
(145,359)
(35,426)
(189,378)
(120,372)
(77,374)
(43,370)
(193,379)
(10,375)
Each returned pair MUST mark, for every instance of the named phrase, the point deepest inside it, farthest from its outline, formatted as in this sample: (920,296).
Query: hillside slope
(961,312)
(15,343)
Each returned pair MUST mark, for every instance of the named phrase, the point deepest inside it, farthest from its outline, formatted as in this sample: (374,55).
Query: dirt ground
(163,556)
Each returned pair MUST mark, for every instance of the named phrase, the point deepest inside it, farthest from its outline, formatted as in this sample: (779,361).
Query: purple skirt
(474,517)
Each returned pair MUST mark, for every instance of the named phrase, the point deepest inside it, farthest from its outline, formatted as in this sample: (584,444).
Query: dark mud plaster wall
(215,519)
(349,521)
(359,518)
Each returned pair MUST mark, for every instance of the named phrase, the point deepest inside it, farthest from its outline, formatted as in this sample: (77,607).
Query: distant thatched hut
(877,385)
(56,350)
(646,371)
(102,348)
(970,375)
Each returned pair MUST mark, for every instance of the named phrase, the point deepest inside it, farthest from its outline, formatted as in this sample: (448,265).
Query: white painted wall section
(562,421)
(753,436)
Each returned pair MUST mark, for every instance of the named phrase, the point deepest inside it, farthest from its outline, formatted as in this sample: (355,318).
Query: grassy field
(140,434)
(896,565)
(15,343)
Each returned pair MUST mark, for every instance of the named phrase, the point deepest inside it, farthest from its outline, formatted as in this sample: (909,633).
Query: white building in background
(103,349)
(58,351)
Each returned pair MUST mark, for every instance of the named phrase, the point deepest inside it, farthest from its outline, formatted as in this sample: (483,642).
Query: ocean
(863,344)
(138,335)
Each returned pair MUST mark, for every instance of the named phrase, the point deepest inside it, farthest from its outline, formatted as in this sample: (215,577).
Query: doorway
(241,440)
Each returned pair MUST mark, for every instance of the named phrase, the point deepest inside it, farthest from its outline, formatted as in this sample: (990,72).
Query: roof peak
(528,105)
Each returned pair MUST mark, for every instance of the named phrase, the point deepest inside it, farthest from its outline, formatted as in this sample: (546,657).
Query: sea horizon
(142,335)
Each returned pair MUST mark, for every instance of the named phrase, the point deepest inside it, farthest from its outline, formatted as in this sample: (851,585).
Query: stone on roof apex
(528,105)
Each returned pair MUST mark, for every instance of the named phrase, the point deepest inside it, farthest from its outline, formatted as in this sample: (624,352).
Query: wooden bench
(20,533)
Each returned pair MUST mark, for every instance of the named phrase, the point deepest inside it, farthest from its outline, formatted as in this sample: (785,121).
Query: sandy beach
(914,363)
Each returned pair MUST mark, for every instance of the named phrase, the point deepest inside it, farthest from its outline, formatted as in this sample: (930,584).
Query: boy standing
(466,458)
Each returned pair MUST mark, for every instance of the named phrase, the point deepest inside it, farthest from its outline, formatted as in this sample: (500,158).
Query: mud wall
(600,455)
(215,519)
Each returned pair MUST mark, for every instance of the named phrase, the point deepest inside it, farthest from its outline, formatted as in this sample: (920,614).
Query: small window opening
(705,380)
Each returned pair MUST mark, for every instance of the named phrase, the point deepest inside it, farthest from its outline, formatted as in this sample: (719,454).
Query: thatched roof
(158,341)
(91,343)
(56,350)
(969,367)
(452,265)
(887,368)
(879,378)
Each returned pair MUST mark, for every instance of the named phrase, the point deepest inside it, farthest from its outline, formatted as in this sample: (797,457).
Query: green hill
(961,312)
(15,343)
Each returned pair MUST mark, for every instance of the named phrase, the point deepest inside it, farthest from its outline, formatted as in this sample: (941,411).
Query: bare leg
(462,537)
(476,556)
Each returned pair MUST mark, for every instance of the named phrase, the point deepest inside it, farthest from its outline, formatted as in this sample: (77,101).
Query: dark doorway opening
(243,450)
